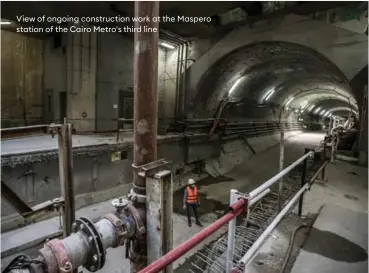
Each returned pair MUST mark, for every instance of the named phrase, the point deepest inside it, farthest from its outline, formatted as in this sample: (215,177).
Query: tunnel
(258,80)
(225,137)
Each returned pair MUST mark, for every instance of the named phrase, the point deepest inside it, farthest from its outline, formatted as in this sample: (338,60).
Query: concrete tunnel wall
(328,63)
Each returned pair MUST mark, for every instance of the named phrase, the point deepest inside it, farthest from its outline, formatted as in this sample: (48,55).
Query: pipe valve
(119,204)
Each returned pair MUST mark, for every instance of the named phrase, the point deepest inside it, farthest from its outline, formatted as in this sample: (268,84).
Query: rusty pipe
(86,246)
(145,79)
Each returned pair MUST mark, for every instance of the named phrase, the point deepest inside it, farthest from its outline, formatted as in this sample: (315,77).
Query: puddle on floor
(351,197)
(335,247)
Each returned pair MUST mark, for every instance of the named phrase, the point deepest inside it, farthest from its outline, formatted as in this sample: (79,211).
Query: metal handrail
(238,208)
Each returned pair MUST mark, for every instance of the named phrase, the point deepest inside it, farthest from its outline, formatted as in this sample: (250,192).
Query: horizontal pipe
(42,126)
(257,198)
(276,178)
(257,244)
(173,255)
(318,172)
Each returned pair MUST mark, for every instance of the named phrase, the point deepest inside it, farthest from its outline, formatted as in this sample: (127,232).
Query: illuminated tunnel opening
(256,81)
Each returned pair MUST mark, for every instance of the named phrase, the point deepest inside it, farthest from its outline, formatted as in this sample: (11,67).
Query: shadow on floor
(335,247)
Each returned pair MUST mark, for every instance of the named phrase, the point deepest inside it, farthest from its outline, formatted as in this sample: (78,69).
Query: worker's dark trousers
(194,208)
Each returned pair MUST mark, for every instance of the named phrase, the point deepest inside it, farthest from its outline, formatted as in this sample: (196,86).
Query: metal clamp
(60,253)
(119,229)
(140,227)
(137,198)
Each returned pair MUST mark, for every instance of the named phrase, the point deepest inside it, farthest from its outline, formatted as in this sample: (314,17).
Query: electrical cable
(290,247)
(22,262)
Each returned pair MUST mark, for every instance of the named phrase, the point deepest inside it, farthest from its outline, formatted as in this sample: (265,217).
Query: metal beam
(159,204)
(14,200)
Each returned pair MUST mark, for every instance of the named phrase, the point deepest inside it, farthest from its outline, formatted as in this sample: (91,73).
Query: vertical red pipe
(145,79)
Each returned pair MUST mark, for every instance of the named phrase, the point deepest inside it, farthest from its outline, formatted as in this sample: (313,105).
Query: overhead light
(322,112)
(317,110)
(166,45)
(5,22)
(289,101)
(296,111)
(311,107)
(269,94)
(304,104)
(236,83)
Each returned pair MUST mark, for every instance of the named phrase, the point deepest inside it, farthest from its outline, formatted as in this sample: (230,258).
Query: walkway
(214,201)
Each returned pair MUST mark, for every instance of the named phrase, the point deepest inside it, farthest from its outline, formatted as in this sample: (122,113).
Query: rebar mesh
(212,258)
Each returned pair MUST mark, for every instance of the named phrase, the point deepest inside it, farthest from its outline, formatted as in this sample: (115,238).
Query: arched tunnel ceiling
(272,73)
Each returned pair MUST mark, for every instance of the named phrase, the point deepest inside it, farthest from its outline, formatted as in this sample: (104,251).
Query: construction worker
(191,201)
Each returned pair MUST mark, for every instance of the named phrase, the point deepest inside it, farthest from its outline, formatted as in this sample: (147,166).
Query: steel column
(66,176)
(231,234)
(159,215)
(303,182)
(145,78)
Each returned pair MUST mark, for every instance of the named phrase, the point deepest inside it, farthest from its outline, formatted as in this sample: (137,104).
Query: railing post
(281,164)
(303,181)
(325,155)
(231,234)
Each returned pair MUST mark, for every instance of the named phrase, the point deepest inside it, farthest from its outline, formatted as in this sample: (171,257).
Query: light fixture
(289,101)
(268,94)
(311,107)
(316,110)
(166,45)
(5,22)
(296,111)
(322,112)
(304,104)
(236,83)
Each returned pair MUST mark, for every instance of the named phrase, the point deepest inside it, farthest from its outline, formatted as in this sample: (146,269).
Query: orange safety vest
(191,195)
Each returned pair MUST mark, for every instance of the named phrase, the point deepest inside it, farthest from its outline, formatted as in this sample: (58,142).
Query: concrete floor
(47,143)
(345,196)
(215,195)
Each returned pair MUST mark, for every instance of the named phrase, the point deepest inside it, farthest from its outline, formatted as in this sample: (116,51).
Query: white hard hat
(191,181)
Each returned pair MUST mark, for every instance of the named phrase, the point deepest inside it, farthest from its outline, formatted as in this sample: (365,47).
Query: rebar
(250,228)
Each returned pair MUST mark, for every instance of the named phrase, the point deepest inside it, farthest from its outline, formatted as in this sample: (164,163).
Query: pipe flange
(96,256)
(58,249)
(120,233)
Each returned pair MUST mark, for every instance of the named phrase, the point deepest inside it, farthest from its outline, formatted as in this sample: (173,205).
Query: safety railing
(228,129)
(233,251)
(24,130)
